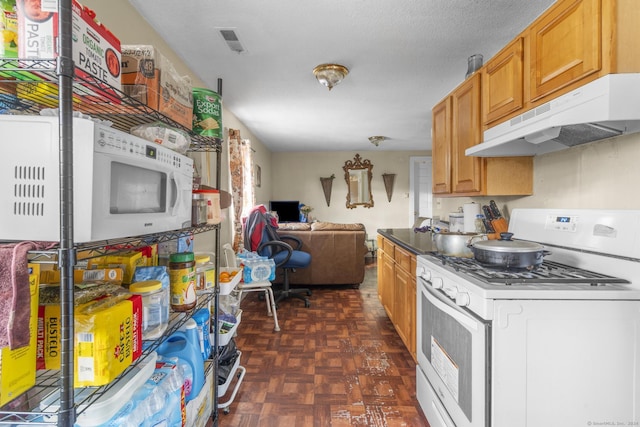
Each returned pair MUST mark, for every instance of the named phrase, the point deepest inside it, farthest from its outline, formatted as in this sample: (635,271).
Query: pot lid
(511,246)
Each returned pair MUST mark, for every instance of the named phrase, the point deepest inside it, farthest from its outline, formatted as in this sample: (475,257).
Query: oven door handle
(465,317)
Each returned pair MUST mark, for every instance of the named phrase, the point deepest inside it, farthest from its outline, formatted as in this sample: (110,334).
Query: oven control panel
(562,223)
(453,286)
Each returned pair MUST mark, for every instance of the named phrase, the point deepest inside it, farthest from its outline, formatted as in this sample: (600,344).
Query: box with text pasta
(107,338)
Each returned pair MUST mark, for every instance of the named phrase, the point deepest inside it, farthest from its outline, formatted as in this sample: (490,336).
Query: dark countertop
(415,242)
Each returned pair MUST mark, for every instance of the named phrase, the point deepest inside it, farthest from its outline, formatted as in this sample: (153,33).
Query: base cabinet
(397,290)
(386,280)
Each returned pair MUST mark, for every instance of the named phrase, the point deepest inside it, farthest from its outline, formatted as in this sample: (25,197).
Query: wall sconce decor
(327,183)
(389,179)
(330,75)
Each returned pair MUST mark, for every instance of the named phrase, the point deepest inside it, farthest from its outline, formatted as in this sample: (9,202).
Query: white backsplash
(598,175)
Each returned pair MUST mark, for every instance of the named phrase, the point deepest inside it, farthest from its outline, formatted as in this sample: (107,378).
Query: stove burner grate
(547,272)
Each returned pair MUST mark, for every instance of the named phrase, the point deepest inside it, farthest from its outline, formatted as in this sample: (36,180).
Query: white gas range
(558,345)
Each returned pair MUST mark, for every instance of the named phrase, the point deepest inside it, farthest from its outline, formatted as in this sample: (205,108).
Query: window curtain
(241,170)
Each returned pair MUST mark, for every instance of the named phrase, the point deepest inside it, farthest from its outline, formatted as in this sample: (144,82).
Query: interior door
(420,194)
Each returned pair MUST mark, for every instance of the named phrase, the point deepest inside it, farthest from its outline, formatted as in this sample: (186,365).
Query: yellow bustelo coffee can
(207,113)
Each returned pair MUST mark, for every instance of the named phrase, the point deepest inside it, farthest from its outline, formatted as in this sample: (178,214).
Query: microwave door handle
(175,194)
(180,198)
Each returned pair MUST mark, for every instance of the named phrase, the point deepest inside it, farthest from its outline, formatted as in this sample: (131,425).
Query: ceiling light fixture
(330,75)
(376,140)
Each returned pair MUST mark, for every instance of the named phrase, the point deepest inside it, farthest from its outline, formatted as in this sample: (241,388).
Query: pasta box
(107,338)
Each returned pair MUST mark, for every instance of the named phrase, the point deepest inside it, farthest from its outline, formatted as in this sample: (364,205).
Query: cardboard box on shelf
(141,73)
(18,366)
(8,29)
(112,275)
(149,77)
(107,338)
(95,50)
(127,261)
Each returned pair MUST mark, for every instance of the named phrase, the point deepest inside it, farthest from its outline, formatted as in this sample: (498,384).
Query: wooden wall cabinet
(441,147)
(565,46)
(571,44)
(456,127)
(397,290)
(466,132)
(503,82)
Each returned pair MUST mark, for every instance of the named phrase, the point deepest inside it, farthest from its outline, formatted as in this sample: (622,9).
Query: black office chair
(260,236)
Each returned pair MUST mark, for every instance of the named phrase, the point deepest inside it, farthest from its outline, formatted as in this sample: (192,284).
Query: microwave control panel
(115,142)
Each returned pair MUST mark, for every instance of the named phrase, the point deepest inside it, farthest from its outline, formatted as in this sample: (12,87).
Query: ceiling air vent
(231,38)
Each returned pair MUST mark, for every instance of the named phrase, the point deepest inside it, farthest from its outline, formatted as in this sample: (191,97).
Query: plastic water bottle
(479,224)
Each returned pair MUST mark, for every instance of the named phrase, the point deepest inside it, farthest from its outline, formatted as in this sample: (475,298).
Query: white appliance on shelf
(558,345)
(123,185)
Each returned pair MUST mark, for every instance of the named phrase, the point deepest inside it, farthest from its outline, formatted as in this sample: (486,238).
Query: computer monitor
(287,210)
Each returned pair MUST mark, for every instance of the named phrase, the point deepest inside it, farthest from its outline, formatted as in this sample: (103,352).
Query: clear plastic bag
(165,135)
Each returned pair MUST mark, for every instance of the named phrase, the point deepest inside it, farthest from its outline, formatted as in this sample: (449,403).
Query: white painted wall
(296,176)
(598,175)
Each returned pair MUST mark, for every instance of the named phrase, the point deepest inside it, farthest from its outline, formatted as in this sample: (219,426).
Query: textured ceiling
(403,57)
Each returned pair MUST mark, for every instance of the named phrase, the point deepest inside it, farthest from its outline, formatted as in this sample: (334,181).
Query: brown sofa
(337,253)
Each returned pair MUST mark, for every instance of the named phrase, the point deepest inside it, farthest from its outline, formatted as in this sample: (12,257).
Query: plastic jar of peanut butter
(182,280)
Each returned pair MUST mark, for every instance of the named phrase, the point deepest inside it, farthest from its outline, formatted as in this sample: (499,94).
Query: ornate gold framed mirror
(357,174)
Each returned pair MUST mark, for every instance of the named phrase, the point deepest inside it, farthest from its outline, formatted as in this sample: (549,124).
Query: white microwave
(122,185)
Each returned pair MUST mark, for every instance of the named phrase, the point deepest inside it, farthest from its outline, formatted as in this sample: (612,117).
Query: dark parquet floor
(338,363)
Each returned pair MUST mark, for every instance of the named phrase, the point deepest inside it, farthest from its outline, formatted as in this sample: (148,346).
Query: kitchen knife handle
(487,212)
(495,211)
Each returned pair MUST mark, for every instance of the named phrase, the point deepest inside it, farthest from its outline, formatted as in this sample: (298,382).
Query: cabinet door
(401,309)
(466,132)
(565,46)
(388,278)
(503,83)
(380,269)
(441,147)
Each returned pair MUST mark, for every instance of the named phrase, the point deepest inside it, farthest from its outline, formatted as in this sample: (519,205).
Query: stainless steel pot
(508,253)
(456,243)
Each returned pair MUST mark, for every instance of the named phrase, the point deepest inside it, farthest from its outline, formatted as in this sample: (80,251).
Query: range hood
(604,108)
